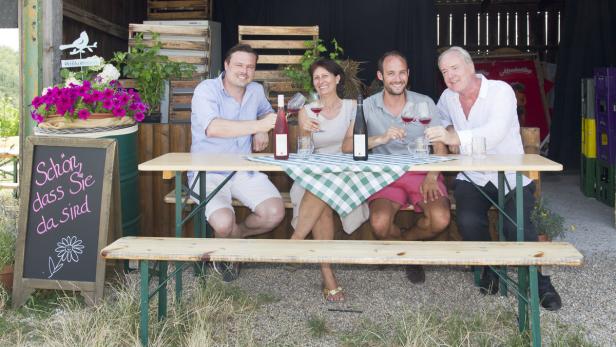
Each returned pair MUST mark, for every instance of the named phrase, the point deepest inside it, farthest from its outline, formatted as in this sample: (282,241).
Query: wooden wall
(106,22)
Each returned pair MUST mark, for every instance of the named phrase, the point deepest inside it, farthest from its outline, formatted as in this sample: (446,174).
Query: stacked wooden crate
(179,9)
(277,46)
(181,42)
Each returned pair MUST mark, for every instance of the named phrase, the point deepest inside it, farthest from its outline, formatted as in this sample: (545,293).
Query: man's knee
(223,222)
(271,211)
(471,225)
(381,224)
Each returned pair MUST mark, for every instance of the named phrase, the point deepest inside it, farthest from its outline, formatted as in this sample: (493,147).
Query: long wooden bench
(527,256)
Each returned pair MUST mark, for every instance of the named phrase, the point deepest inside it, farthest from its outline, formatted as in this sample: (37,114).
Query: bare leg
(324,230)
(435,219)
(223,222)
(311,209)
(266,216)
(382,214)
(316,216)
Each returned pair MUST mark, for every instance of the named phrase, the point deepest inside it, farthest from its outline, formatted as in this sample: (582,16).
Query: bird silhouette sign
(80,44)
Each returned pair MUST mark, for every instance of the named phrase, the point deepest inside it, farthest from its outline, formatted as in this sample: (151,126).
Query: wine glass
(316,106)
(424,115)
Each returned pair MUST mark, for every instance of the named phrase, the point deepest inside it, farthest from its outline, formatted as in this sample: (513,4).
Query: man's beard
(390,91)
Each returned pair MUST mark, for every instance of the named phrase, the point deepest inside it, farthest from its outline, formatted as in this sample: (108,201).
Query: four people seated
(230,114)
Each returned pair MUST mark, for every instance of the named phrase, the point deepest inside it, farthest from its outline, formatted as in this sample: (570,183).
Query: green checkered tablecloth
(342,182)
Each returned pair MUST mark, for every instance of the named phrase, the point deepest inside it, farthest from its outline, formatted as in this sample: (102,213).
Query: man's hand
(392,133)
(447,136)
(260,141)
(429,188)
(453,149)
(267,123)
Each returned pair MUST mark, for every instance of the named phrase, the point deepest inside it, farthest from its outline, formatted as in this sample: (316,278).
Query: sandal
(330,294)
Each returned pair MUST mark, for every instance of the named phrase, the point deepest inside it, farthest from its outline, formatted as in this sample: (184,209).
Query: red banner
(523,78)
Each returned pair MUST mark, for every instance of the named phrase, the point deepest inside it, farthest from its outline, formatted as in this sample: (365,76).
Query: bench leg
(162,291)
(522,297)
(502,271)
(144,302)
(477,275)
(178,283)
(534,306)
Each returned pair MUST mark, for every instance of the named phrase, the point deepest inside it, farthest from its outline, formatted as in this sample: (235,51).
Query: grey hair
(456,49)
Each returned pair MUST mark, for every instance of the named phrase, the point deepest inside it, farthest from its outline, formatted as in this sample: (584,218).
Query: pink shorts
(405,190)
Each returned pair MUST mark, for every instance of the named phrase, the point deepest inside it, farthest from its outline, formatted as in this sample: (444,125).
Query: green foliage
(546,221)
(8,229)
(318,326)
(9,73)
(143,63)
(315,49)
(9,117)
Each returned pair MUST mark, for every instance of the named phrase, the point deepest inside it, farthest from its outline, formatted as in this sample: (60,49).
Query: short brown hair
(240,47)
(391,54)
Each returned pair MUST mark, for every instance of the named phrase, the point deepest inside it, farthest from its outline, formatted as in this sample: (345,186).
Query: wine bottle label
(281,144)
(359,145)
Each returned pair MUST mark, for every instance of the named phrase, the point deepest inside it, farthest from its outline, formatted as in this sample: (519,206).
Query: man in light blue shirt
(230,114)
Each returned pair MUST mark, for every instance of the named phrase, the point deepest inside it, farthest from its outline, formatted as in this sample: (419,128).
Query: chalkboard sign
(66,213)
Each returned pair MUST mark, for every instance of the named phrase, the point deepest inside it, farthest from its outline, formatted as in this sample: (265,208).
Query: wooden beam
(52,39)
(82,16)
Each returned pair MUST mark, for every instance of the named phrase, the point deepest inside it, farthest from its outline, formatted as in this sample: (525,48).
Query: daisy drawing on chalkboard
(68,250)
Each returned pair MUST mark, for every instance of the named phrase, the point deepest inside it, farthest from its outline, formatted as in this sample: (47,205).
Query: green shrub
(9,118)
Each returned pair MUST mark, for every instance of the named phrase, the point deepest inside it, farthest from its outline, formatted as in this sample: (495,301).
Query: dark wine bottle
(281,132)
(360,133)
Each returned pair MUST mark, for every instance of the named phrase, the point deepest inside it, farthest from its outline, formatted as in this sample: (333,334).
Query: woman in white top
(309,212)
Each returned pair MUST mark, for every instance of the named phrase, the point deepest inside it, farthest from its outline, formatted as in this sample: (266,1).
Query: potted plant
(549,224)
(83,102)
(149,69)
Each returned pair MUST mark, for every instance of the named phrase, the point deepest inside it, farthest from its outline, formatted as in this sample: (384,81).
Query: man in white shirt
(473,106)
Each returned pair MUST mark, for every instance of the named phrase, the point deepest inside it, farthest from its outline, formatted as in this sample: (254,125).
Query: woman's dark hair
(333,68)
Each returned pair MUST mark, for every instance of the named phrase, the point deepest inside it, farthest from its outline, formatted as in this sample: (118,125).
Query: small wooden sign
(68,201)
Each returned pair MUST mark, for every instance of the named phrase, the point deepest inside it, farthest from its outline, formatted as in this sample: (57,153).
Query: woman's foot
(333,295)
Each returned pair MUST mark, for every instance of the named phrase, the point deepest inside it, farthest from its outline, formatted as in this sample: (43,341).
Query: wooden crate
(181,93)
(180,43)
(179,9)
(277,46)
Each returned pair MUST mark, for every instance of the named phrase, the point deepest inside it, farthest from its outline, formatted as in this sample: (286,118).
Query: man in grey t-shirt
(426,191)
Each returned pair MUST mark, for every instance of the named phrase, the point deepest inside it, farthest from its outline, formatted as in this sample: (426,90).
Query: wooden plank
(280,86)
(179,117)
(82,16)
(185,84)
(278,30)
(345,252)
(236,162)
(176,44)
(182,30)
(181,99)
(9,185)
(160,187)
(262,75)
(280,59)
(276,44)
(190,60)
(188,4)
(178,15)
(146,179)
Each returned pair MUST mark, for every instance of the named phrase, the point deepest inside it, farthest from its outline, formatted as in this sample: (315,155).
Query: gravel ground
(588,293)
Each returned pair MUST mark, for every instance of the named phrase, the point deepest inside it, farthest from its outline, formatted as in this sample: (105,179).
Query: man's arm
(429,187)
(220,127)
(392,133)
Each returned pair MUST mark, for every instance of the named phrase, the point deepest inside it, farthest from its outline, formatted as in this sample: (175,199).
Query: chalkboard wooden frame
(109,219)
